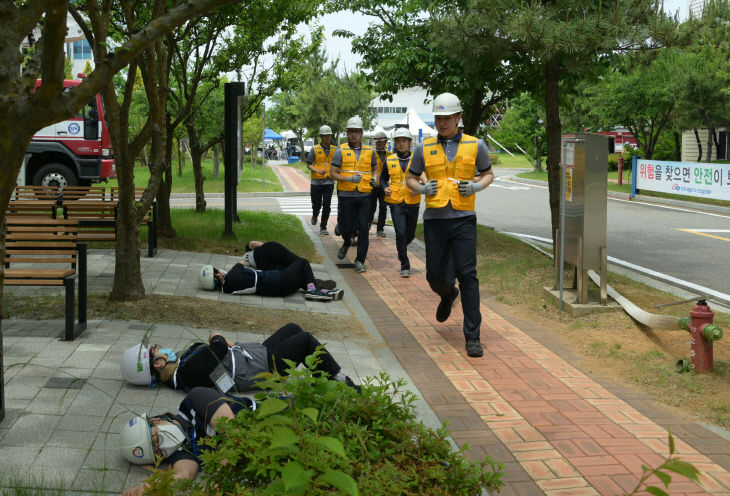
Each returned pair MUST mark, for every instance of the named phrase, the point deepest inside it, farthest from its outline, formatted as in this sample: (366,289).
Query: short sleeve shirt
(449,145)
(310,160)
(337,162)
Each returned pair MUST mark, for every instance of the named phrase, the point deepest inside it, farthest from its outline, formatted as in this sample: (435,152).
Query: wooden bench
(45,209)
(36,193)
(35,244)
(82,193)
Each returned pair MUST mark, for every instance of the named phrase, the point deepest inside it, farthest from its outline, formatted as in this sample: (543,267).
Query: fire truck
(77,151)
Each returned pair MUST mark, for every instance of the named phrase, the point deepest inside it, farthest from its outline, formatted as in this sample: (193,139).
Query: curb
(640,198)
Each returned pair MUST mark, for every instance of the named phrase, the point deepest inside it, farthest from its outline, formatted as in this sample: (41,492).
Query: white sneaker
(360,267)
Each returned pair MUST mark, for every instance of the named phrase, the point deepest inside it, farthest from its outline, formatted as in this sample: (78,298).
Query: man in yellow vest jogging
(318,162)
(378,196)
(404,203)
(353,167)
(451,161)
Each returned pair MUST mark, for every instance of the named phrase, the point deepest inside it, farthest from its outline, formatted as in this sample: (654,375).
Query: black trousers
(273,255)
(378,201)
(405,218)
(354,211)
(321,195)
(296,276)
(291,342)
(451,250)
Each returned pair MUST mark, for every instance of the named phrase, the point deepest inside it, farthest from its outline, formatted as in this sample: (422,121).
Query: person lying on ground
(272,282)
(226,365)
(176,436)
(270,255)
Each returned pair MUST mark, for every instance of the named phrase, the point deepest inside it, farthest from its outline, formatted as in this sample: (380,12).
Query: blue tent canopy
(271,135)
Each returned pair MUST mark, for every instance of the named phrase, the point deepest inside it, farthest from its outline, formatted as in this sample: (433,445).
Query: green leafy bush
(494,158)
(613,161)
(314,436)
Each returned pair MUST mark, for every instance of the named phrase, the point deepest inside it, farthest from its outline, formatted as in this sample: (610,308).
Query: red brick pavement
(557,430)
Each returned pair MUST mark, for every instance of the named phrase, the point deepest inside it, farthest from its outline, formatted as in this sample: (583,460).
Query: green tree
(440,45)
(522,128)
(639,95)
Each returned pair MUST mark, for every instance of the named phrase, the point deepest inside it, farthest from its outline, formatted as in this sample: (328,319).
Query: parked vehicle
(73,152)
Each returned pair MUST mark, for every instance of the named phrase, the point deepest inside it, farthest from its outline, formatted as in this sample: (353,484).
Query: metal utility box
(585,161)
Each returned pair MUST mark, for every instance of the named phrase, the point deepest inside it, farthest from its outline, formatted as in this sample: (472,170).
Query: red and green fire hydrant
(703,333)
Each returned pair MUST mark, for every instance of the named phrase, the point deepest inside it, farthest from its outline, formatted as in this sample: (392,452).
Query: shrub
(314,436)
(494,158)
(613,161)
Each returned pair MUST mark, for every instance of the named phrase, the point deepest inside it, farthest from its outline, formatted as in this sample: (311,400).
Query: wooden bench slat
(34,282)
(43,273)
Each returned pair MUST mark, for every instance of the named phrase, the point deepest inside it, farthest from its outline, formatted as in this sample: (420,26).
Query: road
(691,246)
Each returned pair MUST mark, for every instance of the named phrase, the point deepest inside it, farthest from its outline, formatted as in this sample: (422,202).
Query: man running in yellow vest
(353,167)
(318,162)
(451,163)
(378,196)
(404,203)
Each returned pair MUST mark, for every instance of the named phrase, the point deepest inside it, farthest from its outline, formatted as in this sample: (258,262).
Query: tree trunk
(196,154)
(473,114)
(699,145)
(677,147)
(537,167)
(216,160)
(709,144)
(180,158)
(164,219)
(553,133)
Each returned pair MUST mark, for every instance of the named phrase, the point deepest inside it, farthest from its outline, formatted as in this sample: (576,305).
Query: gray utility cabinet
(585,158)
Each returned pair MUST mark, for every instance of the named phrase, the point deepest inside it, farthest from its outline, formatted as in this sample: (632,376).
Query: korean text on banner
(695,179)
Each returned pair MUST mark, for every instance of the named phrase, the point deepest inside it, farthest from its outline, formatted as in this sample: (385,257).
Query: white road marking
(651,273)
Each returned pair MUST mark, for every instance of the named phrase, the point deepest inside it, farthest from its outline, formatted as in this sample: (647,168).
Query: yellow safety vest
(322,161)
(450,174)
(399,189)
(380,163)
(350,165)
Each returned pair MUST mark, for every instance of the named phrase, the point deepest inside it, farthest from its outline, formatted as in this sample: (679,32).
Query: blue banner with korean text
(700,180)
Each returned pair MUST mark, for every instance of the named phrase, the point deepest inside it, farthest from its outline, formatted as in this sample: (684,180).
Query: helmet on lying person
(135,440)
(207,279)
(135,365)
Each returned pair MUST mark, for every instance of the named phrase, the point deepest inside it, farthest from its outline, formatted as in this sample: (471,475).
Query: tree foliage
(523,127)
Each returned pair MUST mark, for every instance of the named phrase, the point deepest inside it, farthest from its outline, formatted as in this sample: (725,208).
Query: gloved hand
(373,183)
(356,178)
(430,188)
(468,188)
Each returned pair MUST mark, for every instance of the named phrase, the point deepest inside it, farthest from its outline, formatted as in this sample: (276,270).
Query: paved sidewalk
(557,430)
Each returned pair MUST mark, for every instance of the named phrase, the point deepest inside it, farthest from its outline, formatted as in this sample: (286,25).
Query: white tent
(371,133)
(415,123)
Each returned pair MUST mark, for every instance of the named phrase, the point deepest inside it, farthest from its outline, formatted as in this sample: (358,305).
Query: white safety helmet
(354,123)
(206,278)
(402,132)
(325,130)
(381,136)
(135,441)
(135,365)
(446,104)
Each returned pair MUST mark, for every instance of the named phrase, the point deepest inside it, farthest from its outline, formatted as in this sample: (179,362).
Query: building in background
(77,49)
(388,114)
(696,6)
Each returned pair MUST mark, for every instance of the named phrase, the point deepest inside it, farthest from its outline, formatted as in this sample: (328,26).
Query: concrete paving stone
(81,423)
(29,381)
(15,460)
(56,478)
(75,372)
(92,348)
(108,459)
(71,439)
(35,371)
(108,369)
(48,362)
(60,457)
(105,441)
(100,480)
(83,359)
(142,398)
(31,430)
(52,401)
(16,360)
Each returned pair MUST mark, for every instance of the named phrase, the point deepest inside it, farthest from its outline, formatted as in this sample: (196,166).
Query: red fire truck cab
(77,151)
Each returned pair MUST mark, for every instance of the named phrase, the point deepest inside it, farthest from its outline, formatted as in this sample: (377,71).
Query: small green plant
(314,436)
(671,465)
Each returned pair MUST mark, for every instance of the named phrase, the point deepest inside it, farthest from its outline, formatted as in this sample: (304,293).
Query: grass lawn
(626,188)
(250,178)
(612,344)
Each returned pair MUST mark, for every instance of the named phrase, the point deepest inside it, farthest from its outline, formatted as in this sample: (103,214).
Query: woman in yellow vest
(404,203)
(378,196)
(451,163)
(318,162)
(353,167)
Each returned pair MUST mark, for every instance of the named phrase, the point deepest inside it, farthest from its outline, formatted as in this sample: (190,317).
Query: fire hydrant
(703,333)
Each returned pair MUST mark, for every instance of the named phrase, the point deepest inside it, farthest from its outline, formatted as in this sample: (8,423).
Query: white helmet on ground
(135,441)
(135,365)
(206,278)
(381,136)
(446,104)
(325,130)
(354,123)
(402,132)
